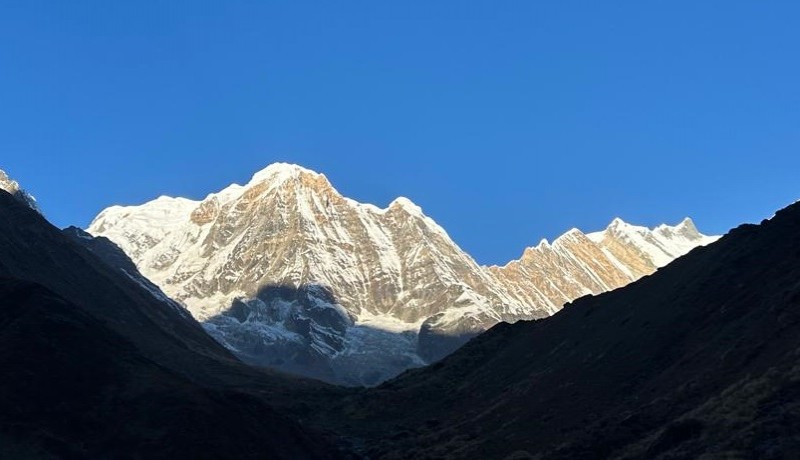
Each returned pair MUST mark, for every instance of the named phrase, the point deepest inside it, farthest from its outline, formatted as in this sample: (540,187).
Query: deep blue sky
(506,121)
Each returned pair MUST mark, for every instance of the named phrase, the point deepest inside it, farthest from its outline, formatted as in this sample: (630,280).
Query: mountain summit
(288,273)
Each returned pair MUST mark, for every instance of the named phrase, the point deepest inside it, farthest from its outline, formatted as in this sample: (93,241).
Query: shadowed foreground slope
(701,357)
(73,388)
(96,365)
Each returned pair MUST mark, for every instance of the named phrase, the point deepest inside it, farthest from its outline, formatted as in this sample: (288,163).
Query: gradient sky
(506,121)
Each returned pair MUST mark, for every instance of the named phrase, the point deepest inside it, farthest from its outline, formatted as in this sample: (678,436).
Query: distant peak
(617,222)
(686,227)
(8,184)
(618,226)
(687,224)
(11,186)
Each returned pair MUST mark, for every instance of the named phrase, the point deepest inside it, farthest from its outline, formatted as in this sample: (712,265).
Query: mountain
(288,273)
(699,360)
(577,264)
(99,364)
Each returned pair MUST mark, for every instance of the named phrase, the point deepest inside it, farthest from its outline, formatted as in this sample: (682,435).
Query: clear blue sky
(506,121)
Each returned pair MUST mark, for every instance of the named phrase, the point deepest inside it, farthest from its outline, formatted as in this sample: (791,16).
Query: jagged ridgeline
(288,273)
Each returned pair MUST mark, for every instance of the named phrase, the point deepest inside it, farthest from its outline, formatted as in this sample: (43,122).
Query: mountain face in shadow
(701,358)
(97,365)
(304,330)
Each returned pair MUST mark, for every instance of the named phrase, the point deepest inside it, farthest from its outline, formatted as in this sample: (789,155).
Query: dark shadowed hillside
(699,358)
(73,388)
(96,365)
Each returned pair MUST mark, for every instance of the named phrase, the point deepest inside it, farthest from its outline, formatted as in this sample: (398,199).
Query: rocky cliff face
(288,273)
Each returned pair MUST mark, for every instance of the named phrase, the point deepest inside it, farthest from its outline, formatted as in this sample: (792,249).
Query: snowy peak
(6,183)
(616,223)
(687,222)
(619,226)
(285,175)
(288,182)
(11,186)
(659,245)
(280,172)
(406,205)
(685,225)
(686,228)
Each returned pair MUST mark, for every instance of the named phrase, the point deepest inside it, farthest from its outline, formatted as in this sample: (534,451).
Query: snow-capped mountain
(576,264)
(11,186)
(288,273)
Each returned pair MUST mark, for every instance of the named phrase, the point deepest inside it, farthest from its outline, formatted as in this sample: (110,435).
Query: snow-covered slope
(288,273)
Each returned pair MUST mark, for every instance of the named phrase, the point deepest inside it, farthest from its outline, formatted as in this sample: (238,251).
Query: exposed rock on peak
(206,212)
